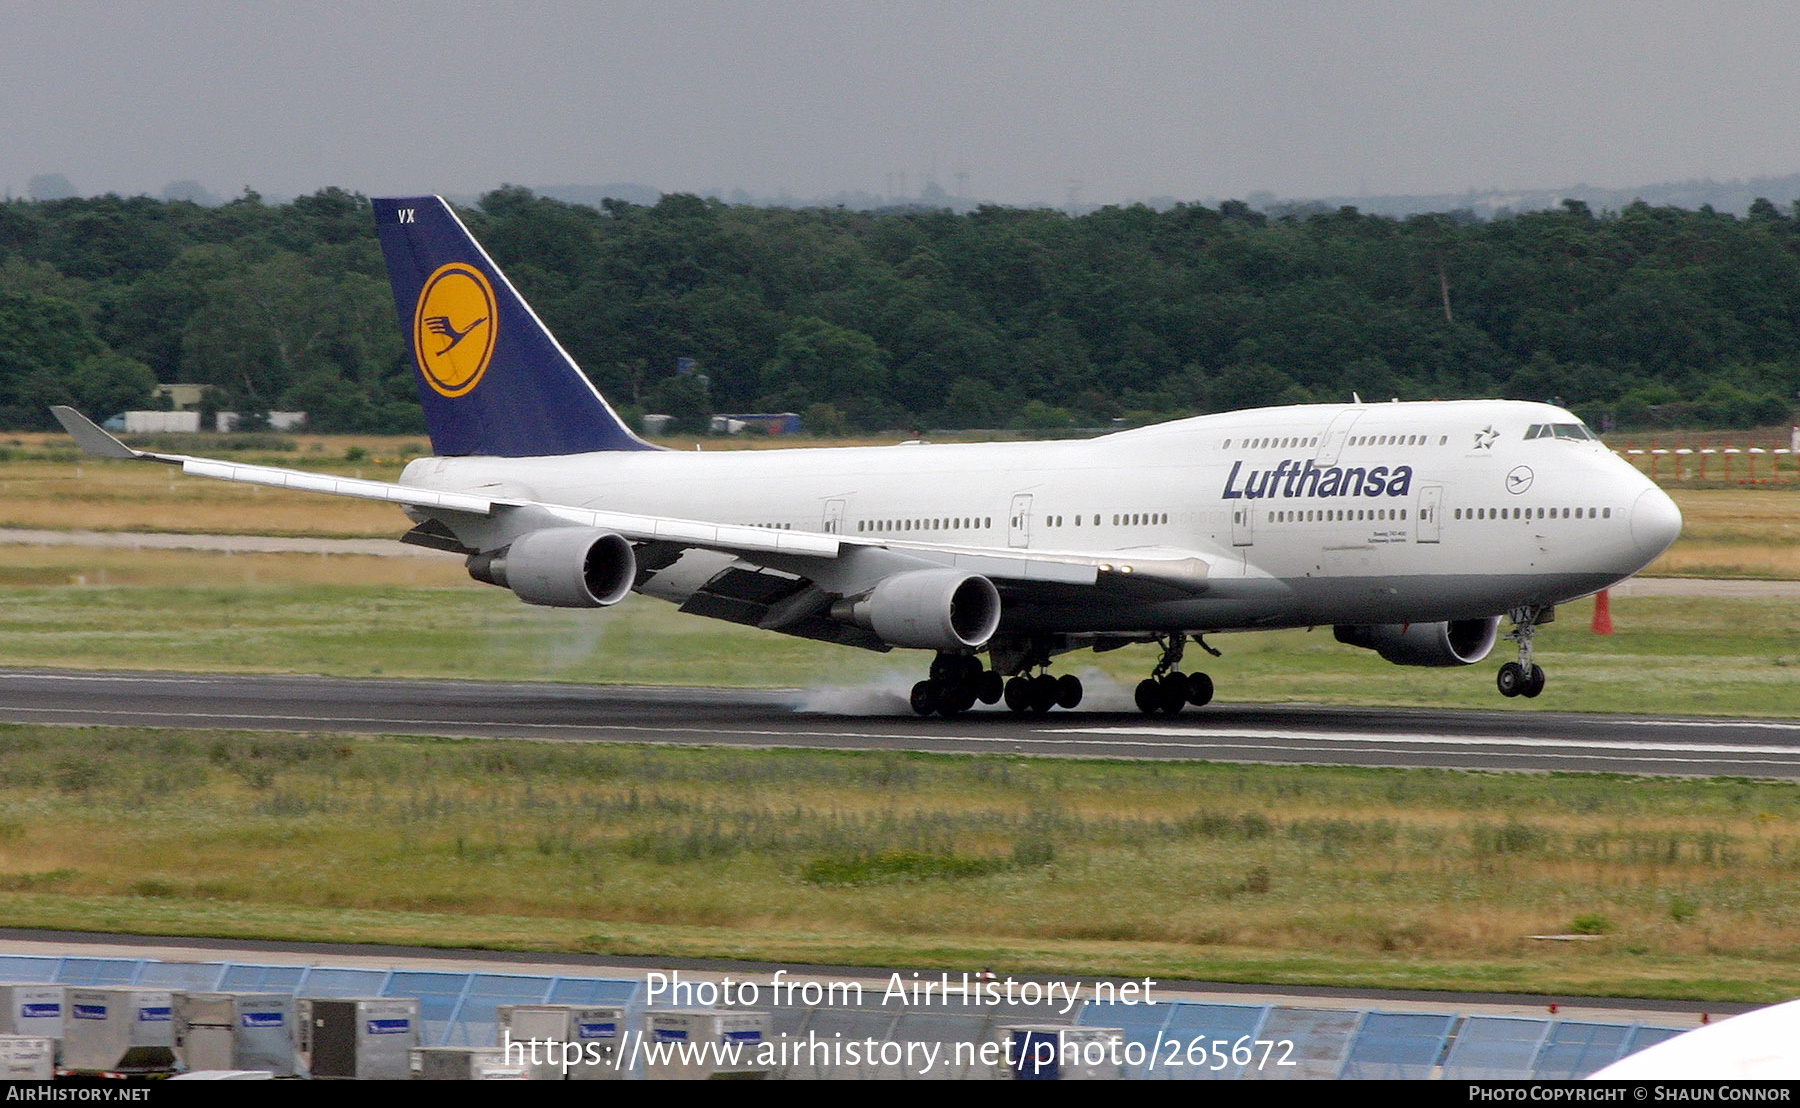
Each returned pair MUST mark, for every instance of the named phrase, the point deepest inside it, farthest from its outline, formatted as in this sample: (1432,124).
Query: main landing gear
(1167,689)
(1524,677)
(957,681)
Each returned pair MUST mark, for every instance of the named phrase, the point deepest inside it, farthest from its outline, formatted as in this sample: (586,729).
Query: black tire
(925,697)
(1043,693)
(1148,696)
(1534,682)
(1173,689)
(1511,680)
(1068,691)
(956,701)
(1200,690)
(989,687)
(1018,694)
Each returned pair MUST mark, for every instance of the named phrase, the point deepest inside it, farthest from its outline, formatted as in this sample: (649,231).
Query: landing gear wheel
(1524,677)
(1173,691)
(1043,693)
(1534,682)
(1018,694)
(1199,689)
(955,701)
(1511,680)
(1068,691)
(989,687)
(1148,696)
(925,697)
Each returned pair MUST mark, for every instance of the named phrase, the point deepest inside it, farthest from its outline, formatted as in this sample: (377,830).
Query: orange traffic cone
(1602,614)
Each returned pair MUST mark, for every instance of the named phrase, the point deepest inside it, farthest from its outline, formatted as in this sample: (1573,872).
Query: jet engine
(1461,642)
(935,609)
(562,567)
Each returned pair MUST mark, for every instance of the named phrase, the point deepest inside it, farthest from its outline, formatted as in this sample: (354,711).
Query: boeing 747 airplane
(1413,529)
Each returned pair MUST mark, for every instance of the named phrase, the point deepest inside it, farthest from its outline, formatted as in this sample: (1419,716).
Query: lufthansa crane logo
(454,329)
(1519,479)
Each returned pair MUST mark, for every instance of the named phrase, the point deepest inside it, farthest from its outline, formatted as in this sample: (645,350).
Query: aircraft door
(1335,436)
(834,517)
(1243,524)
(1018,528)
(1431,509)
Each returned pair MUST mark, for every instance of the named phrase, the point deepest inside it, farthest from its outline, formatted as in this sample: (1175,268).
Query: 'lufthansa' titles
(454,329)
(1293,479)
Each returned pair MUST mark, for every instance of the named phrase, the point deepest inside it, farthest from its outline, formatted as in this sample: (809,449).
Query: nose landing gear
(1524,677)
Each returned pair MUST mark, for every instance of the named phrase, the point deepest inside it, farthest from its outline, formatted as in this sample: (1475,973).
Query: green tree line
(867,320)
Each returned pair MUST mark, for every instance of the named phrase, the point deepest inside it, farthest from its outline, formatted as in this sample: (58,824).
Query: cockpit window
(1576,431)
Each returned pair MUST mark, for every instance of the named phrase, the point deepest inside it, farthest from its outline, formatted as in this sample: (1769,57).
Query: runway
(876,718)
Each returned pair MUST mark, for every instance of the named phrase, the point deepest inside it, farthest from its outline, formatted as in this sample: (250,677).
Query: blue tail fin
(492,378)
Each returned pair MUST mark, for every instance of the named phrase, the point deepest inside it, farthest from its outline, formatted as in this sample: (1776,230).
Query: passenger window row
(1533,513)
(1278,442)
(1338,515)
(1275,442)
(966,523)
(958,523)
(1119,519)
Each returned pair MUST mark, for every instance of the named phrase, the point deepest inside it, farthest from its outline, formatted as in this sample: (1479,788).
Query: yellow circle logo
(454,329)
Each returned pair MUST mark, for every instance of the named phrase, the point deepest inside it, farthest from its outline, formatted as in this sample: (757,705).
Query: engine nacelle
(1461,642)
(934,609)
(562,567)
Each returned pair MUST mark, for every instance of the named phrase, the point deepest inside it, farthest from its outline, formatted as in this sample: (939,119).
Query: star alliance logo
(1484,438)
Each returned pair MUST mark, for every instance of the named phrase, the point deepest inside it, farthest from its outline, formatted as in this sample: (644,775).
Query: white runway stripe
(1203,734)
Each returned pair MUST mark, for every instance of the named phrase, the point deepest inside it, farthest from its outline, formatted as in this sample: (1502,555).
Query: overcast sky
(1113,100)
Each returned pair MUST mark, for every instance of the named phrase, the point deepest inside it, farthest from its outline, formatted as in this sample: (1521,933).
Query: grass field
(1735,533)
(1283,874)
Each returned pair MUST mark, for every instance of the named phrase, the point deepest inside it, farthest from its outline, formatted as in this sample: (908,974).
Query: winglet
(88,435)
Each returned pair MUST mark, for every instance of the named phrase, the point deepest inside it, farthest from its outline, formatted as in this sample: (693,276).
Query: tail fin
(492,378)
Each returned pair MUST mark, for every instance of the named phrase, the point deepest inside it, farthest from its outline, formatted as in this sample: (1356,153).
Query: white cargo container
(466,1063)
(592,1033)
(32,1010)
(724,1043)
(119,1030)
(27,1058)
(236,1031)
(365,1038)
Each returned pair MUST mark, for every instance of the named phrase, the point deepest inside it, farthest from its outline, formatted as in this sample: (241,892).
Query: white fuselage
(1318,514)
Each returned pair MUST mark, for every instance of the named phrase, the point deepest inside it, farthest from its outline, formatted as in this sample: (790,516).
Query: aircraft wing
(837,564)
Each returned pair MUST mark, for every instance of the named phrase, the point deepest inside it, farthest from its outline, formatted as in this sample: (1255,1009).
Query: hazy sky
(1117,99)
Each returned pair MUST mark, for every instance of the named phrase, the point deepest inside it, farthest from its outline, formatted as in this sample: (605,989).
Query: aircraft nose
(1655,523)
